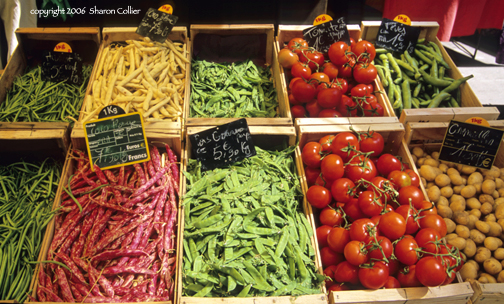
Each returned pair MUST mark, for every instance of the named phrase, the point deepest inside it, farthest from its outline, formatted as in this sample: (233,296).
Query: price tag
(63,47)
(396,36)
(323,35)
(470,144)
(166,9)
(223,145)
(478,121)
(403,19)
(59,66)
(110,111)
(116,141)
(156,25)
(322,19)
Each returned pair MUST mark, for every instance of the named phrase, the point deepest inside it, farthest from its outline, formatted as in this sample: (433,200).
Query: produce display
(336,84)
(470,201)
(114,236)
(419,80)
(240,89)
(142,76)
(33,99)
(375,228)
(27,193)
(245,231)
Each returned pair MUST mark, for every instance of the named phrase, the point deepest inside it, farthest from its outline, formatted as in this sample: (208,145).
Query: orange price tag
(322,19)
(478,121)
(166,9)
(63,47)
(403,19)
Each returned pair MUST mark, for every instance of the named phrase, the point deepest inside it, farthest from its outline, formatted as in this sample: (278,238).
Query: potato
(456,179)
(451,236)
(501,192)
(446,191)
(431,162)
(442,180)
(420,162)
(462,231)
(443,168)
(414,158)
(429,184)
(473,262)
(443,201)
(435,155)
(502,173)
(433,193)
(477,236)
(488,186)
(458,189)
(460,217)
(499,183)
(445,212)
(482,254)
(476,213)
(478,188)
(500,277)
(469,271)
(495,194)
(492,243)
(486,208)
(417,151)
(493,171)
(488,177)
(450,225)
(475,178)
(492,266)
(473,203)
(486,278)
(495,229)
(482,226)
(467,169)
(498,201)
(501,223)
(490,218)
(457,203)
(458,242)
(499,212)
(428,173)
(472,221)
(468,191)
(485,198)
(499,254)
(451,171)
(470,248)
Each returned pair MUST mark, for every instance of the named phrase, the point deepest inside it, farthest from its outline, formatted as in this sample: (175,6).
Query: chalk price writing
(109,110)
(481,136)
(479,158)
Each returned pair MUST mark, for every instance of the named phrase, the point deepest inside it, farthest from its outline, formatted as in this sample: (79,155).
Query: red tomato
(347,107)
(352,42)
(392,282)
(375,249)
(311,175)
(322,232)
(286,58)
(312,154)
(360,230)
(338,287)
(330,69)
(399,179)
(352,210)
(318,78)
(303,91)
(324,182)
(407,277)
(405,251)
(415,179)
(313,58)
(346,273)
(345,70)
(329,98)
(332,167)
(370,204)
(329,113)
(337,239)
(318,196)
(382,188)
(298,111)
(293,80)
(331,217)
(388,163)
(329,257)
(360,167)
(342,84)
(364,50)
(339,52)
(301,70)
(326,142)
(427,238)
(392,225)
(293,100)
(427,207)
(393,265)
(430,271)
(355,253)
(329,271)
(342,190)
(434,221)
(297,44)
(313,108)
(412,193)
(373,109)
(374,277)
(372,141)
(409,214)
(343,144)
(364,73)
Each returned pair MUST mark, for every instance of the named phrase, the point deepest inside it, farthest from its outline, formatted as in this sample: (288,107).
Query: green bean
(434,81)
(396,68)
(437,100)
(456,84)
(423,57)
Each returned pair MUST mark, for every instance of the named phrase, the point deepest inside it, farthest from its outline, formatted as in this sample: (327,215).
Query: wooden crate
(428,30)
(174,140)
(32,43)
(285,34)
(264,137)
(121,34)
(487,293)
(260,50)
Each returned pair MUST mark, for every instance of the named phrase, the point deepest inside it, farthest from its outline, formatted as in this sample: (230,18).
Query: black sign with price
(156,25)
(222,145)
(470,144)
(396,36)
(322,36)
(59,66)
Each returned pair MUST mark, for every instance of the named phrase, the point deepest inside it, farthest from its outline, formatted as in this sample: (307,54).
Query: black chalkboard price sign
(396,36)
(323,35)
(59,66)
(116,141)
(156,25)
(470,144)
(222,145)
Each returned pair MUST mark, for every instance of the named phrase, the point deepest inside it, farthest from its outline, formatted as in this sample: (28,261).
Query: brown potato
(472,221)
(458,242)
(475,178)
(482,254)
(492,243)
(470,248)
(467,169)
(501,192)
(478,188)
(477,236)
(431,162)
(461,217)
(498,201)
(483,227)
(473,203)
(501,223)
(442,180)
(485,198)
(457,203)
(420,162)
(486,208)
(458,189)
(469,271)
(433,193)
(462,231)
(499,254)
(445,212)
(456,179)
(476,213)
(499,183)
(486,278)
(499,212)
(443,201)
(446,191)
(451,236)
(417,151)
(443,167)
(488,186)
(495,229)
(435,155)
(492,266)
(495,194)
(500,277)
(427,172)
(490,218)
(468,191)
(451,171)
(450,225)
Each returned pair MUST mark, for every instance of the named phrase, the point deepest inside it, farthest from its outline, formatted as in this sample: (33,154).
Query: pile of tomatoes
(336,84)
(375,229)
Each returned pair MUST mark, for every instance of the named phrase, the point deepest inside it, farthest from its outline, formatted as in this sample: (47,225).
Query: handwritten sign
(60,66)
(396,36)
(156,25)
(116,141)
(223,145)
(323,35)
(470,144)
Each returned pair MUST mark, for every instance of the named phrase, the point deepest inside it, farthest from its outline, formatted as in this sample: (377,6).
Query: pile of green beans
(33,99)
(245,232)
(418,80)
(27,192)
(232,90)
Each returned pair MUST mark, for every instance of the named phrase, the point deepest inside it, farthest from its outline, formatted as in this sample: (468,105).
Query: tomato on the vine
(355,253)
(428,239)
(337,239)
(312,154)
(342,190)
(332,167)
(339,52)
(435,222)
(326,142)
(324,182)
(373,109)
(322,232)
(318,196)
(313,108)
(331,70)
(329,257)
(303,91)
(297,45)
(392,225)
(331,217)
(392,282)
(318,78)
(411,194)
(313,58)
(352,210)
(364,50)
(329,113)
(329,98)
(430,271)
(346,273)
(329,272)
(409,215)
(361,229)
(286,58)
(380,249)
(371,142)
(360,167)
(341,83)
(311,175)
(399,179)
(347,106)
(388,163)
(370,204)
(374,276)
(301,70)
(344,144)
(298,111)
(407,277)
(364,72)
(406,251)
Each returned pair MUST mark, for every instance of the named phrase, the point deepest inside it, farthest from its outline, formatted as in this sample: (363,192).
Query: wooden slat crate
(487,293)
(121,34)
(428,30)
(32,43)
(259,49)
(264,137)
(285,34)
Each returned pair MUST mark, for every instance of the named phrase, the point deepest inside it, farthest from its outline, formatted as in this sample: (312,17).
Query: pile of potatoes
(471,202)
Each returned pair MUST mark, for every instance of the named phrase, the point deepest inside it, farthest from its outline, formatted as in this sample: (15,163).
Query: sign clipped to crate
(60,66)
(323,35)
(156,25)
(397,36)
